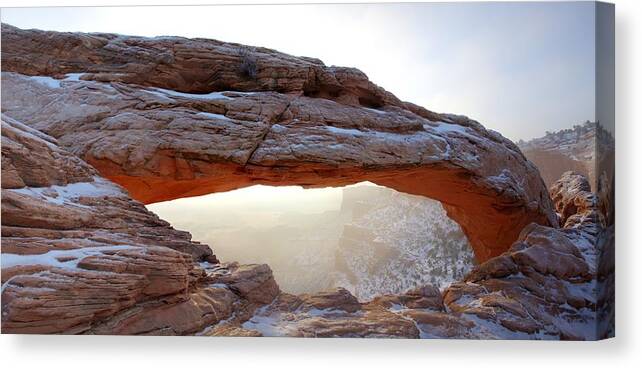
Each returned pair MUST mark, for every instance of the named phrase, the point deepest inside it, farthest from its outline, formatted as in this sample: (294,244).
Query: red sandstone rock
(424,297)
(339,298)
(76,249)
(545,284)
(80,256)
(145,113)
(189,315)
(254,283)
(79,277)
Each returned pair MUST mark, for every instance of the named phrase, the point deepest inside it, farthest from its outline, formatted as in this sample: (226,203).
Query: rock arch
(142,111)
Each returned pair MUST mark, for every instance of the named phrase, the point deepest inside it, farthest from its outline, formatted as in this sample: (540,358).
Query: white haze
(370,239)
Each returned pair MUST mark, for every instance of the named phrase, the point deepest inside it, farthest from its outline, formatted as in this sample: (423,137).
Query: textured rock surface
(48,192)
(79,255)
(572,196)
(149,114)
(253,282)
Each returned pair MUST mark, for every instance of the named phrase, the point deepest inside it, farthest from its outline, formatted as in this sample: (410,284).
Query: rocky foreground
(81,254)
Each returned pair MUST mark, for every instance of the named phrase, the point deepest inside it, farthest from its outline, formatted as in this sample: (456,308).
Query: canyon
(94,126)
(368,239)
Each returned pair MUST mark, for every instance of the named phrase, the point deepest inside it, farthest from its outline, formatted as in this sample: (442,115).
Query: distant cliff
(395,242)
(568,149)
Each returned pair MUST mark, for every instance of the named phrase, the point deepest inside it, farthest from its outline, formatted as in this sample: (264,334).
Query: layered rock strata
(80,256)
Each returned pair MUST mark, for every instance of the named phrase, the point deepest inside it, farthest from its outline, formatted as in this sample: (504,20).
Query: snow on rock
(75,77)
(397,242)
(575,149)
(79,242)
(68,258)
(213,116)
(48,82)
(203,96)
(69,194)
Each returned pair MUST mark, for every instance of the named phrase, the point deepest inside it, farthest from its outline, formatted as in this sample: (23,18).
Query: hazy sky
(520,69)
(259,198)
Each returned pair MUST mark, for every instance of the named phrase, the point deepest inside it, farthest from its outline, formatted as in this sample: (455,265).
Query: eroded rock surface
(153,115)
(80,256)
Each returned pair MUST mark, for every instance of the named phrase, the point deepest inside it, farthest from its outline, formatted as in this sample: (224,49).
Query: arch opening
(369,239)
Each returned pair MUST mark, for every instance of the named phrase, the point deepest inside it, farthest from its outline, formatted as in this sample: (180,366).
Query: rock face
(80,256)
(70,269)
(47,188)
(152,115)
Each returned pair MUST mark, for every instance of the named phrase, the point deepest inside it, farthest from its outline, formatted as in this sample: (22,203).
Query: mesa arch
(171,117)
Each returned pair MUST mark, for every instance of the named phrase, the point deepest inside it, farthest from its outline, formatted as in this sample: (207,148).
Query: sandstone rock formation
(152,114)
(69,265)
(79,255)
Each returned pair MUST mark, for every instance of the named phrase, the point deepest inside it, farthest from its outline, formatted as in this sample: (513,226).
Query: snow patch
(444,127)
(68,194)
(70,257)
(46,81)
(73,77)
(268,325)
(206,96)
(210,115)
(505,179)
(278,128)
(380,112)
(344,131)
